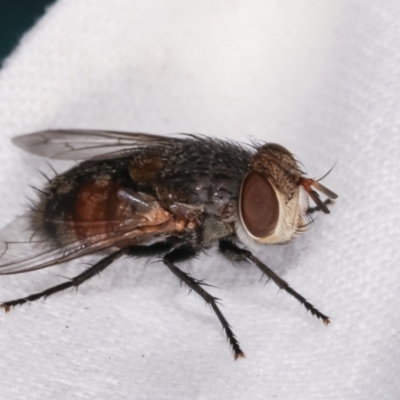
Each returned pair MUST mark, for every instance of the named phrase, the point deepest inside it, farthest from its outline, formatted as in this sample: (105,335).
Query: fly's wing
(22,249)
(84,144)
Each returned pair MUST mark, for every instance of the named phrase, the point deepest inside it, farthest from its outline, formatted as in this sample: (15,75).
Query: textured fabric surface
(321,78)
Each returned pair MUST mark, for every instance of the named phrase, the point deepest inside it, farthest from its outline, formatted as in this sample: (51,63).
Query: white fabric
(321,78)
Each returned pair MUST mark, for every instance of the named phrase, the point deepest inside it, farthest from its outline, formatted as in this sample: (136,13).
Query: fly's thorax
(269,202)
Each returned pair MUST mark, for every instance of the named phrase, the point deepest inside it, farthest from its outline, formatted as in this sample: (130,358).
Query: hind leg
(74,282)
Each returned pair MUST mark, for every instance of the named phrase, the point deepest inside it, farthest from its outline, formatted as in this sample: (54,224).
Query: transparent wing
(83,144)
(23,249)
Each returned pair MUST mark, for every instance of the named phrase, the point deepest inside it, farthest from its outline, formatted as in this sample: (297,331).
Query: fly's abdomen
(98,209)
(76,209)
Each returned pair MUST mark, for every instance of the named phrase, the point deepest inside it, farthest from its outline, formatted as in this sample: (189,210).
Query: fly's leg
(74,282)
(186,252)
(236,254)
(312,210)
(153,250)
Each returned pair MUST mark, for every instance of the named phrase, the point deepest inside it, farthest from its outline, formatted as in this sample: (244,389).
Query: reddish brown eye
(259,205)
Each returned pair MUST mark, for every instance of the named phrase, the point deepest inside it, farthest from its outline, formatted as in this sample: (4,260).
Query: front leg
(236,254)
(184,253)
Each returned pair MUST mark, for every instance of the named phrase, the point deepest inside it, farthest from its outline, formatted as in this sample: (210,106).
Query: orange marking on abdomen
(98,209)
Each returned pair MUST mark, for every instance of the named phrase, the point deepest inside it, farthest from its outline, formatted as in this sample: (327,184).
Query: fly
(142,195)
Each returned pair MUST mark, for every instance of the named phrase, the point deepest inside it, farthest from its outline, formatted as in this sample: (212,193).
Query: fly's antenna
(334,165)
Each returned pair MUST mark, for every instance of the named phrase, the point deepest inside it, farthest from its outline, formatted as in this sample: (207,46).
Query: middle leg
(186,252)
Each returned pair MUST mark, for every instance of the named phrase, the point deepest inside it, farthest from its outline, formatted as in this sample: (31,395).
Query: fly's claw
(326,321)
(239,355)
(6,307)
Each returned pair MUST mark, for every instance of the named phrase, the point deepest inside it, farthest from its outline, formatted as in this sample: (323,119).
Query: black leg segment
(184,253)
(74,282)
(235,253)
(153,250)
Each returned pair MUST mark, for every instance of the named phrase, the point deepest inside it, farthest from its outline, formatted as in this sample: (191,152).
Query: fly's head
(273,196)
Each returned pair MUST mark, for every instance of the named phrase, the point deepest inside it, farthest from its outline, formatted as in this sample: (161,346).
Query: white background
(321,78)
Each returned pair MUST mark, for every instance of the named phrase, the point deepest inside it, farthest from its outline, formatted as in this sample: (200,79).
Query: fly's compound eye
(259,206)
